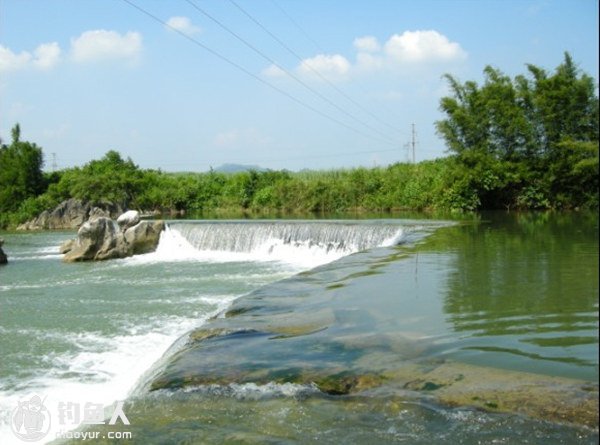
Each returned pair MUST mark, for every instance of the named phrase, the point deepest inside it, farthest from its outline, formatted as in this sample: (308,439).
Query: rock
(555,399)
(144,236)
(101,238)
(70,214)
(99,212)
(3,257)
(67,246)
(97,239)
(128,219)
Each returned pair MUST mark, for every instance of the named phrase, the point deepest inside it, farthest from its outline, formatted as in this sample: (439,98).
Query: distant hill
(236,168)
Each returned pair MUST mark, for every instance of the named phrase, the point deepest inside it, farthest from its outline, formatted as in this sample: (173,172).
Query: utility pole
(54,162)
(406,147)
(414,142)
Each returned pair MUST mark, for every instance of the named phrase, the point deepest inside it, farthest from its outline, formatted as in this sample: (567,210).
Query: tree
(110,178)
(21,174)
(531,128)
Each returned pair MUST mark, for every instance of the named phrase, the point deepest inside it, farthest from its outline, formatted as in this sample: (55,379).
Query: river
(323,331)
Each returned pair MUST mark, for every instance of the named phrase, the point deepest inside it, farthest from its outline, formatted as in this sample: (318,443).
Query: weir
(368,325)
(305,243)
(382,340)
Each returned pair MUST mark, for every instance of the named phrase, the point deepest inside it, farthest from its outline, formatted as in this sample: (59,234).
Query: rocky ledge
(102,238)
(3,257)
(71,214)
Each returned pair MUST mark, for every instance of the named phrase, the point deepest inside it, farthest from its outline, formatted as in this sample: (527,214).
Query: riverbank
(443,186)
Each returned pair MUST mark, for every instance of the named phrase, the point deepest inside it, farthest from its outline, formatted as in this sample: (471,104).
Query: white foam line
(49,249)
(118,362)
(111,370)
(174,247)
(61,283)
(252,391)
(36,257)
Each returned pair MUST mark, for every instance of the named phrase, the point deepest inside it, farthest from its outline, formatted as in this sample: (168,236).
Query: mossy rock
(538,396)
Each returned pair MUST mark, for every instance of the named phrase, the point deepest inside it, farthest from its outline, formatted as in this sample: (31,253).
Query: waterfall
(302,242)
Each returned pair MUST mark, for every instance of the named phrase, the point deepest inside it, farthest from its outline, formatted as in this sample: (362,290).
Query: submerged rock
(499,390)
(102,239)
(299,349)
(444,382)
(71,214)
(3,257)
(362,340)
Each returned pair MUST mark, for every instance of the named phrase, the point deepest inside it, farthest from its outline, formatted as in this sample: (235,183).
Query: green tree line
(527,142)
(530,142)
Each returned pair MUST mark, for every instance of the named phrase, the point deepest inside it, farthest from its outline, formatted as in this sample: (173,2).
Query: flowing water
(377,331)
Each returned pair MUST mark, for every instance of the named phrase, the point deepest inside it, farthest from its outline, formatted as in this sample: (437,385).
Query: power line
(320,48)
(308,37)
(289,73)
(249,73)
(325,79)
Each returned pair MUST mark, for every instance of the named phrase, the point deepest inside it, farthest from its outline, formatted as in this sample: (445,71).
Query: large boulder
(97,239)
(128,219)
(144,236)
(3,257)
(101,238)
(71,214)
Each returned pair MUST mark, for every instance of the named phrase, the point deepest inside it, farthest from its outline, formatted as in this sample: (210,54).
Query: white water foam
(301,252)
(252,391)
(104,371)
(173,247)
(107,368)
(51,256)
(39,253)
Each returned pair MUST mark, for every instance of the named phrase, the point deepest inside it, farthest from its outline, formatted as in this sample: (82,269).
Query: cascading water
(306,244)
(198,269)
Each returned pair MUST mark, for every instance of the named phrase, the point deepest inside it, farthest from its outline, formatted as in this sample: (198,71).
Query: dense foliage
(20,172)
(398,186)
(528,142)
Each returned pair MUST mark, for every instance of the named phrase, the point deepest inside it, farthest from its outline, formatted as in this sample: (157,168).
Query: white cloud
(88,47)
(182,24)
(44,57)
(100,44)
(369,62)
(367,44)
(10,61)
(334,65)
(273,71)
(423,46)
(409,50)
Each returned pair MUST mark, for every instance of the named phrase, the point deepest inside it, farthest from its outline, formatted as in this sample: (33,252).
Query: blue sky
(335,83)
